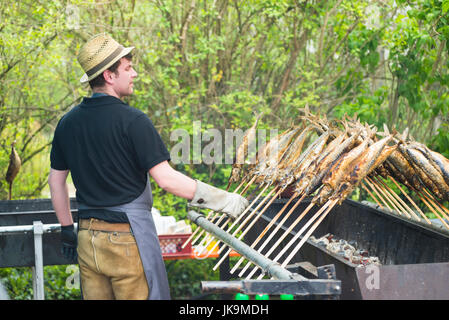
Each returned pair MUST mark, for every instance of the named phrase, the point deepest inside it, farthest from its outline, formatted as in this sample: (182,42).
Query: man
(110,148)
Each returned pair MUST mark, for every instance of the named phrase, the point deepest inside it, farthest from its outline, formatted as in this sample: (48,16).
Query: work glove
(69,241)
(207,196)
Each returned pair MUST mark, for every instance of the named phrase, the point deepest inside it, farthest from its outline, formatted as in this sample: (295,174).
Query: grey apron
(144,230)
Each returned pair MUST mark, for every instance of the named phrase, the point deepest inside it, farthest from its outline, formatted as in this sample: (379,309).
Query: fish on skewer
(312,155)
(295,169)
(296,147)
(339,170)
(276,154)
(441,161)
(311,166)
(263,156)
(402,169)
(436,159)
(242,152)
(363,166)
(314,179)
(424,170)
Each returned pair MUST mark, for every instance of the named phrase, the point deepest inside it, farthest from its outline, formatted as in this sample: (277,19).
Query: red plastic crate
(171,245)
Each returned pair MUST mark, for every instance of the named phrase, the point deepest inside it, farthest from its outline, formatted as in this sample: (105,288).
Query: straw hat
(98,54)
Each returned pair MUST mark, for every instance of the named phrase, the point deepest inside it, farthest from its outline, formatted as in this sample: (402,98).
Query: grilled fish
(313,179)
(275,153)
(361,169)
(242,152)
(300,163)
(430,172)
(398,161)
(436,159)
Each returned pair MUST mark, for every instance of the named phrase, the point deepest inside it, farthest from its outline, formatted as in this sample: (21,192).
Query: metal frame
(38,229)
(286,281)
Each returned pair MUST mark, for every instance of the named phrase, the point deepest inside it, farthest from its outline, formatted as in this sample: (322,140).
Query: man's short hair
(99,81)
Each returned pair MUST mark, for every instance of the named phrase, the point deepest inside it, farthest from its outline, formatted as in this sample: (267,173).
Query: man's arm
(198,193)
(173,181)
(60,196)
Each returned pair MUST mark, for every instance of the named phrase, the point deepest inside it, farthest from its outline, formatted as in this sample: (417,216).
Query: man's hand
(207,196)
(69,241)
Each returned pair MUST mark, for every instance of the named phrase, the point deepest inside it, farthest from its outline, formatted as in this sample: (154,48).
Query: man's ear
(108,76)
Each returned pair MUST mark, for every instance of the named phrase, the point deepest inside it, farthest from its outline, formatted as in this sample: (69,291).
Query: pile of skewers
(327,161)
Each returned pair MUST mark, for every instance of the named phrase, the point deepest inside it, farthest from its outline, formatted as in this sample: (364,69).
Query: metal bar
(274,287)
(267,265)
(46,228)
(38,270)
(32,212)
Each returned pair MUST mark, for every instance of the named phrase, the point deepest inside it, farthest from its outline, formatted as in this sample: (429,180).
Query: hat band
(102,64)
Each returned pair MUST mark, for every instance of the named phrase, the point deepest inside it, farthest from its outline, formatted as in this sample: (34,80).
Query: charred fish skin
(442,162)
(401,164)
(385,153)
(289,176)
(294,153)
(397,175)
(262,157)
(381,170)
(368,160)
(339,169)
(309,167)
(328,161)
(429,170)
(275,156)
(361,169)
(436,159)
(296,147)
(312,155)
(426,182)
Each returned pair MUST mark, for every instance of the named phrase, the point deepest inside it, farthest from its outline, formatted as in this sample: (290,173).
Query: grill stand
(285,281)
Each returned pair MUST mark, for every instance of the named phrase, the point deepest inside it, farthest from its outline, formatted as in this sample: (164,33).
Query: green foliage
(185,276)
(19,283)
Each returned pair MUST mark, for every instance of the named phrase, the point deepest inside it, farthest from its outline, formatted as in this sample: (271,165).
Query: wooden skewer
(376,192)
(308,234)
(405,206)
(431,208)
(390,205)
(204,231)
(397,206)
(208,216)
(435,201)
(244,212)
(249,184)
(275,231)
(228,220)
(250,216)
(287,232)
(204,246)
(254,220)
(410,199)
(385,195)
(224,215)
(266,229)
(372,196)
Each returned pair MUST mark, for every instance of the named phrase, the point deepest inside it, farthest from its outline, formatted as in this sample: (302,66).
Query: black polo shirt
(108,147)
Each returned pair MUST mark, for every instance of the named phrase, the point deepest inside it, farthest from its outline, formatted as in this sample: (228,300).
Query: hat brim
(85,78)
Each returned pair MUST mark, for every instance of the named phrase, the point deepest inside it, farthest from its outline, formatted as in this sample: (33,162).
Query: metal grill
(333,163)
